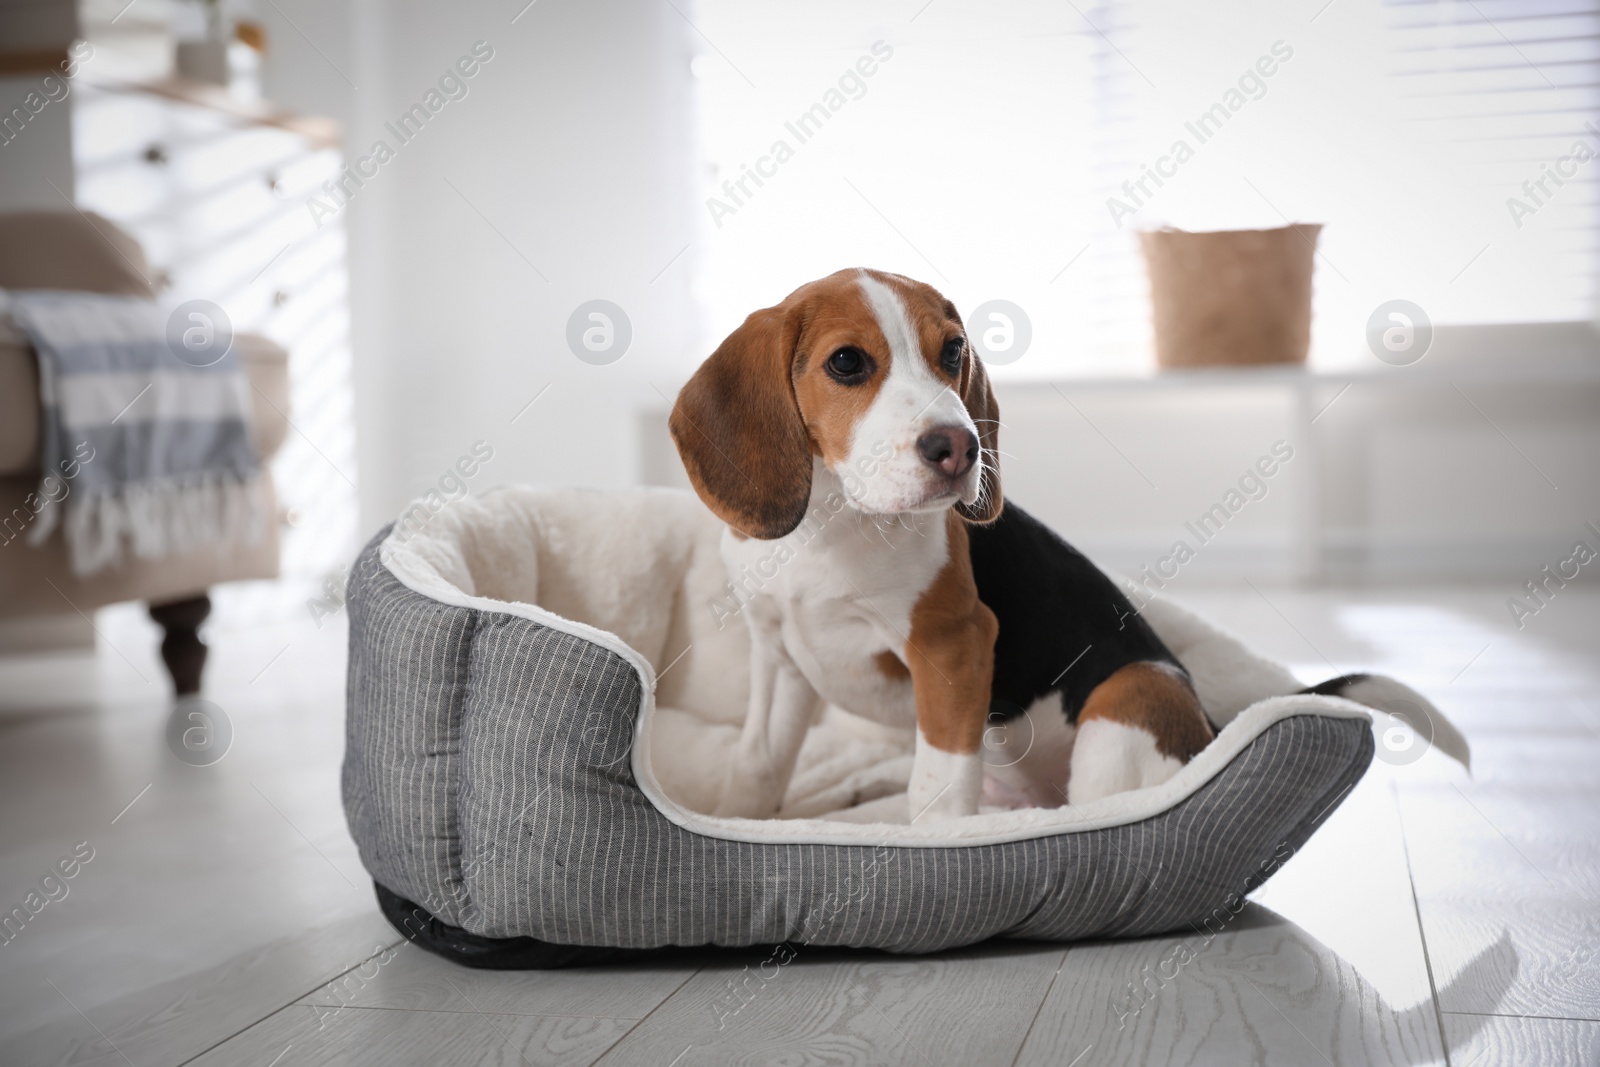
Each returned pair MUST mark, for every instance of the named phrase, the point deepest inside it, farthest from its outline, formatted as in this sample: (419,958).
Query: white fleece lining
(413,571)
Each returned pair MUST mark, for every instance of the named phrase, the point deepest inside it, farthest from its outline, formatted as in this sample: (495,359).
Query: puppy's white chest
(837,596)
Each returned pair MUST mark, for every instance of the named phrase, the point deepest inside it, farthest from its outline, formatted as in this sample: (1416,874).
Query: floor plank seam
(620,1037)
(1050,985)
(468,1011)
(1535,1018)
(292,1003)
(1422,933)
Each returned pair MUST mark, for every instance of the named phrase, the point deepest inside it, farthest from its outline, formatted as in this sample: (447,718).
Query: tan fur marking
(890,666)
(932,317)
(1155,698)
(950,653)
(838,316)
(739,432)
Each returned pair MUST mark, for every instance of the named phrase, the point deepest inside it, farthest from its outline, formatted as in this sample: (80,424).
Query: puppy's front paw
(943,785)
(939,809)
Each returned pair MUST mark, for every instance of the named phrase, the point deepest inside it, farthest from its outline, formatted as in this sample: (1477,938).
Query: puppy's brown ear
(738,428)
(978,396)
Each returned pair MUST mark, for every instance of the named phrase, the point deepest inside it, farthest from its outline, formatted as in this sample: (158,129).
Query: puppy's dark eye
(849,366)
(950,355)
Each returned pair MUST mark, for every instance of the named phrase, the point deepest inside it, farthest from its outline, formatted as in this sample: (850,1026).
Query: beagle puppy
(848,439)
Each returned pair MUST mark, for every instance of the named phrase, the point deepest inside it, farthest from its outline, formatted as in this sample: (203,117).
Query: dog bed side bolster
(404,697)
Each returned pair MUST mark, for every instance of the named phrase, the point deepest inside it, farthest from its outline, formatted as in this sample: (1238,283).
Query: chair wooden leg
(182,650)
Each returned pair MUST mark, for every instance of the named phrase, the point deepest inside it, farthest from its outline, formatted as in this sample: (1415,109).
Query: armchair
(80,251)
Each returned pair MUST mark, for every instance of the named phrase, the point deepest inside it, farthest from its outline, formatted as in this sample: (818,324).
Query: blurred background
(993,152)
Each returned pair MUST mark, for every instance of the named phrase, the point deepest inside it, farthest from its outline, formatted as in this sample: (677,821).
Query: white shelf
(1309,392)
(1422,375)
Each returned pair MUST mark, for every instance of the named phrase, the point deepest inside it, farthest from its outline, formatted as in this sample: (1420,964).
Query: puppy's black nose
(952,449)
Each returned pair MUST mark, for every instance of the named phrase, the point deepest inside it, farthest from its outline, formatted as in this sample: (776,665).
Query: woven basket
(1232,297)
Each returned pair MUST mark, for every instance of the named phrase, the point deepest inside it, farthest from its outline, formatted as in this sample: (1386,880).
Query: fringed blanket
(145,442)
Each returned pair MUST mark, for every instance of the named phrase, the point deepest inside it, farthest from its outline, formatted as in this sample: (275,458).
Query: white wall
(569,158)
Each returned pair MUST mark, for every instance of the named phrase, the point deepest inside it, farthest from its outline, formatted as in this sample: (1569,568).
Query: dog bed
(542,687)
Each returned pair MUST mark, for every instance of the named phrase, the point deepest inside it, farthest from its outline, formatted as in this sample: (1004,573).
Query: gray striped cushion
(487,778)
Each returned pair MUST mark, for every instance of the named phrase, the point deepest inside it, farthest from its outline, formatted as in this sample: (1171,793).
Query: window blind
(1013,151)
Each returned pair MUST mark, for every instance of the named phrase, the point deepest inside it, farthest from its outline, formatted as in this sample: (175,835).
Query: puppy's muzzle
(951,450)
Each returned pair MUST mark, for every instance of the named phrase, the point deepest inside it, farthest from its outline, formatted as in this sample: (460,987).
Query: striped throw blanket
(171,459)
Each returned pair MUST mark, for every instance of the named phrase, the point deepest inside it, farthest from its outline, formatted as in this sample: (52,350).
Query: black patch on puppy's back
(1064,624)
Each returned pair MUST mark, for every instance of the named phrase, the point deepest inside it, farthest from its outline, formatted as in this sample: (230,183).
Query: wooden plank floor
(367,1035)
(1438,918)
